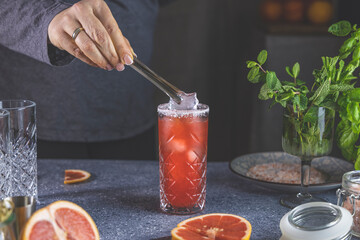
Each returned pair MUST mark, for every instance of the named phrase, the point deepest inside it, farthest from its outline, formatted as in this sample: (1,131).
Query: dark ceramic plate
(332,167)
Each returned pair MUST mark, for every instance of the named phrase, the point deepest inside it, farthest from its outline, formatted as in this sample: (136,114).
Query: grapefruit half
(213,226)
(75,175)
(61,220)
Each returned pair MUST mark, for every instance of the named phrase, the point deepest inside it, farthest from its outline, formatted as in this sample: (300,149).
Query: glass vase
(307,134)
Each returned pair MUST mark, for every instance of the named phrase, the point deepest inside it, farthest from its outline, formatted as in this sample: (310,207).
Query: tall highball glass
(183,136)
(23,152)
(5,167)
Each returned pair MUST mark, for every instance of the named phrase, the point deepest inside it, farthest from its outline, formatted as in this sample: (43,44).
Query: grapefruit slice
(75,175)
(213,226)
(61,220)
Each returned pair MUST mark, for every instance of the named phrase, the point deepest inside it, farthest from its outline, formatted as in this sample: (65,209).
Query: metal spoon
(172,91)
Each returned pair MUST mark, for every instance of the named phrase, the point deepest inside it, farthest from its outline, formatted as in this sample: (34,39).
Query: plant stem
(261,68)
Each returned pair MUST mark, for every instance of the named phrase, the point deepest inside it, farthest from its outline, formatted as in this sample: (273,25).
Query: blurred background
(202,46)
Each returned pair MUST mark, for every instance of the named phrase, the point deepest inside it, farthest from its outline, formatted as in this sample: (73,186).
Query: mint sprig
(333,87)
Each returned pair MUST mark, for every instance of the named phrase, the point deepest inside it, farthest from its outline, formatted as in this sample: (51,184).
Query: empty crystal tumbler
(5,167)
(183,136)
(23,152)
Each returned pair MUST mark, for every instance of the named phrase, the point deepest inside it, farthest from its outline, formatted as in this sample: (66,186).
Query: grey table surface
(123,197)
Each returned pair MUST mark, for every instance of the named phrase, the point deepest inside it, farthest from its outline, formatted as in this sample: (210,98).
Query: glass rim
(27,104)
(202,108)
(298,213)
(348,176)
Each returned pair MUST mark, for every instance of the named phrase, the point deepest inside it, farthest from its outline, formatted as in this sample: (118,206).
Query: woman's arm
(24,26)
(28,27)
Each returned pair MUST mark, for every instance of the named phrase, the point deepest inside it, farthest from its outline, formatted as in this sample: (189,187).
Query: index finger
(107,19)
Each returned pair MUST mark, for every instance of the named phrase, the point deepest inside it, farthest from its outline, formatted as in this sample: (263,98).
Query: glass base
(167,208)
(298,199)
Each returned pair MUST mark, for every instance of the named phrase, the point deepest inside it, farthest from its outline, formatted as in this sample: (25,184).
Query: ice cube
(178,145)
(189,102)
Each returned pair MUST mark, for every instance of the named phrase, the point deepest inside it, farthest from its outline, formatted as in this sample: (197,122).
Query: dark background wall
(201,46)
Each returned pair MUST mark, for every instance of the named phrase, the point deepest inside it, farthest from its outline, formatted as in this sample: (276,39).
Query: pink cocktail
(183,136)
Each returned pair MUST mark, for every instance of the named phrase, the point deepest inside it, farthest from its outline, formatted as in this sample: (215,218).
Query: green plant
(334,87)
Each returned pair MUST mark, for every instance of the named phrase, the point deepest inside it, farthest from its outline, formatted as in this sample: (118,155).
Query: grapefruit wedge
(75,175)
(213,226)
(61,220)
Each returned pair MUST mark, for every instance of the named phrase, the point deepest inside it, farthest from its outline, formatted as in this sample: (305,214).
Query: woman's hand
(100,44)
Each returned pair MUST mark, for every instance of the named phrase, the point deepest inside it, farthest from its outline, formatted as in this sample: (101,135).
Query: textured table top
(123,198)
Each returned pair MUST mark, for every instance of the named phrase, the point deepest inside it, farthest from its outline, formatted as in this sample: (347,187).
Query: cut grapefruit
(61,220)
(213,226)
(75,175)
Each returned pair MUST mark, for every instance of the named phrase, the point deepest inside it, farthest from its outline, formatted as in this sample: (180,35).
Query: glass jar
(348,197)
(316,220)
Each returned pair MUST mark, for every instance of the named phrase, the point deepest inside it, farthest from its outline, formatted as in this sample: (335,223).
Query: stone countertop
(123,198)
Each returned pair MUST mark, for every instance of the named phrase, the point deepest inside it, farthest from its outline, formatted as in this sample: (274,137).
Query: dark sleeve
(24,28)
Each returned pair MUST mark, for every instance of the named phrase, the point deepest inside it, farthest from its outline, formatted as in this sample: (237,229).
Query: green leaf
(296,102)
(341,67)
(289,71)
(340,29)
(357,160)
(353,110)
(345,54)
(260,77)
(288,83)
(262,57)
(355,127)
(311,115)
(342,87)
(329,105)
(303,102)
(316,73)
(304,89)
(321,93)
(283,103)
(250,64)
(272,81)
(284,96)
(347,45)
(299,82)
(346,139)
(354,95)
(265,92)
(252,74)
(296,70)
(356,54)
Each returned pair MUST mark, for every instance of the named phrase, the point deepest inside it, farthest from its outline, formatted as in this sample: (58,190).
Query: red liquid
(182,154)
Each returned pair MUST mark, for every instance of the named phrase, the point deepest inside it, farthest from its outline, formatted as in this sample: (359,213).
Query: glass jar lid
(316,220)
(351,181)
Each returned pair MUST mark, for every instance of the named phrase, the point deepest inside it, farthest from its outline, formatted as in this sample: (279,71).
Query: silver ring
(76,32)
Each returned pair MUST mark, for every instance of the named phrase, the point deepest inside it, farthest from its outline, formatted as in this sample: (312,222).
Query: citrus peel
(75,176)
